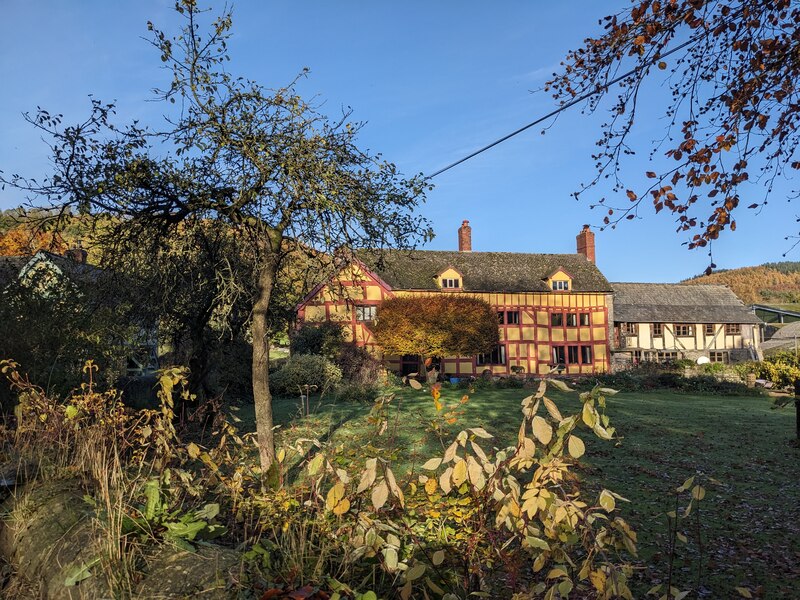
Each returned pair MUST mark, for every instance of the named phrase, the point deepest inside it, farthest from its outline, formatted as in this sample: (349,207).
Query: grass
(738,447)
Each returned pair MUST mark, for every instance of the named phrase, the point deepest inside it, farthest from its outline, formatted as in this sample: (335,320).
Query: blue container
(454,380)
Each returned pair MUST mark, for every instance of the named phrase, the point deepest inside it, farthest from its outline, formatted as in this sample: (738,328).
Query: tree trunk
(261,395)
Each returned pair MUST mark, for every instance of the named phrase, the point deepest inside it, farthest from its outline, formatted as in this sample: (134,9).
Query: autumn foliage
(774,283)
(440,325)
(725,75)
(25,241)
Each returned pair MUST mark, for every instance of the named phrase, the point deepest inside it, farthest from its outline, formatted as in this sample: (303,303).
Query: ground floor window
(572,355)
(409,364)
(586,355)
(495,357)
(662,357)
(718,357)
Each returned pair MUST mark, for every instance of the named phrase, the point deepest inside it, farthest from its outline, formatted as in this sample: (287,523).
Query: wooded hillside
(770,283)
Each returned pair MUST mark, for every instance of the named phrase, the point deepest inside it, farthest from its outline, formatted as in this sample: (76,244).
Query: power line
(563,107)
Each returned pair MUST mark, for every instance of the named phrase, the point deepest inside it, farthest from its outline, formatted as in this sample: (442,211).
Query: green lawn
(739,448)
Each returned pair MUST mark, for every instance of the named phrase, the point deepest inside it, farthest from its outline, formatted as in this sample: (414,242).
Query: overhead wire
(564,107)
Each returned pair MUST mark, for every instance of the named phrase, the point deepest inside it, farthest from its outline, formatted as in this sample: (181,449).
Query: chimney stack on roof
(585,241)
(465,237)
(77,254)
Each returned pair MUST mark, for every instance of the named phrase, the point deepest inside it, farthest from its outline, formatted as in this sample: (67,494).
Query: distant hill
(770,283)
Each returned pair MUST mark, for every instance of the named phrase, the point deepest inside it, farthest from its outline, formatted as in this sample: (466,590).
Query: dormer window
(559,280)
(450,279)
(450,283)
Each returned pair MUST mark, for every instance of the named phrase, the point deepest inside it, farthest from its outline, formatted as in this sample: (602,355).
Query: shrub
(305,369)
(713,368)
(650,376)
(325,339)
(357,392)
(359,367)
(782,369)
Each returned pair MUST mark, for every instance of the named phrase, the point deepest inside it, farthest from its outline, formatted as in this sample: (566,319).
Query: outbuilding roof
(678,303)
(482,271)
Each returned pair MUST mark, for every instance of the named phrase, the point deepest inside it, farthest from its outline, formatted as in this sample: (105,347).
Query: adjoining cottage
(553,309)
(663,321)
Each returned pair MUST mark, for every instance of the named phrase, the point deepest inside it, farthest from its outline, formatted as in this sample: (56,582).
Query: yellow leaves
(698,492)
(527,449)
(560,385)
(743,592)
(598,579)
(432,464)
(315,464)
(368,476)
(450,453)
(589,414)
(552,409)
(444,480)
(556,572)
(607,501)
(395,489)
(438,558)
(390,558)
(193,450)
(459,473)
(415,572)
(342,507)
(481,433)
(542,430)
(575,446)
(431,486)
(475,473)
(335,500)
(380,494)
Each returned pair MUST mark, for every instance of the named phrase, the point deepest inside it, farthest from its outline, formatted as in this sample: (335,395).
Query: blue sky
(433,81)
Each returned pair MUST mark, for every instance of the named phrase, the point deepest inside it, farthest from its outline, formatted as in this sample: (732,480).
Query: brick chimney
(465,237)
(77,254)
(585,241)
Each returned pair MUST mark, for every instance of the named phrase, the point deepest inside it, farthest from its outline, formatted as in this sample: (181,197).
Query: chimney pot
(585,241)
(465,237)
(77,254)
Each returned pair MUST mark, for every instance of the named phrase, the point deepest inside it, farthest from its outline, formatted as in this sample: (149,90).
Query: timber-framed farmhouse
(553,309)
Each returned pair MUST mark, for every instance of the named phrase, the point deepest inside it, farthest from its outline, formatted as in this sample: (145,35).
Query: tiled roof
(483,271)
(11,266)
(678,303)
(790,331)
